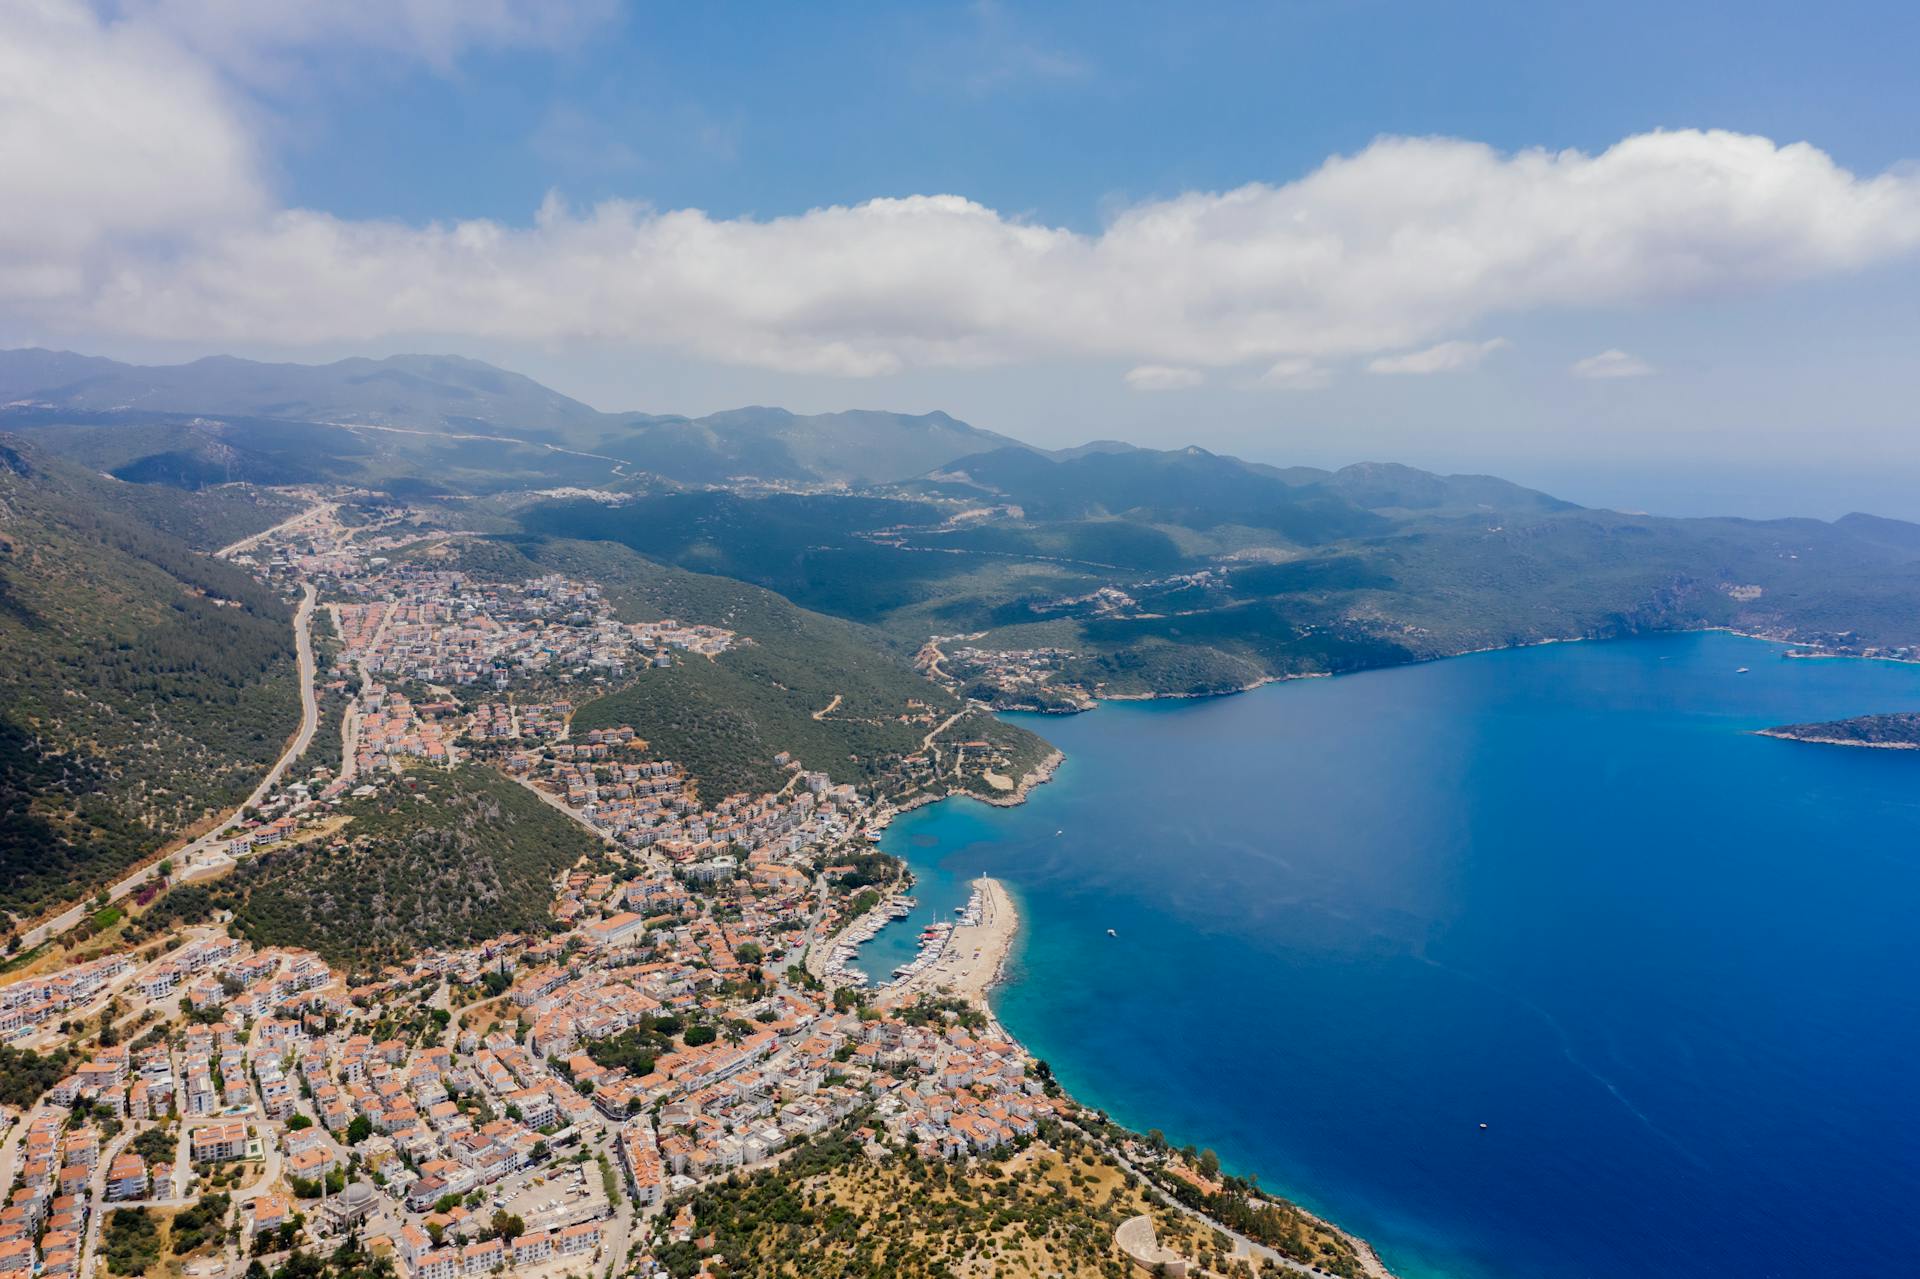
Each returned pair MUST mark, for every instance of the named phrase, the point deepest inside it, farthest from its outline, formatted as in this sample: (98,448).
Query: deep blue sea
(1564,891)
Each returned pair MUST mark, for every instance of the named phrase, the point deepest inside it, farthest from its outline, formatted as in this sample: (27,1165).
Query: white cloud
(1162,377)
(1292,374)
(1408,243)
(1611,364)
(250,37)
(1446,357)
(110,137)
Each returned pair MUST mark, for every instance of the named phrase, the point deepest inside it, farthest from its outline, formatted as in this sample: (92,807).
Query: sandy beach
(974,956)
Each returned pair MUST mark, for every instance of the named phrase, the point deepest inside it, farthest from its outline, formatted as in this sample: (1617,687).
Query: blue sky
(1710,320)
(1058,109)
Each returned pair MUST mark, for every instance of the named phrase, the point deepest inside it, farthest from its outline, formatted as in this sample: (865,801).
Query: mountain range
(142,683)
(222,419)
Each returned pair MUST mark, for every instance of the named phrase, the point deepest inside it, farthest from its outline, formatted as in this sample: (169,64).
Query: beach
(974,955)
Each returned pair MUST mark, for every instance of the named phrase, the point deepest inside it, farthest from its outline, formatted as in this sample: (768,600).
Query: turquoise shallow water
(1564,891)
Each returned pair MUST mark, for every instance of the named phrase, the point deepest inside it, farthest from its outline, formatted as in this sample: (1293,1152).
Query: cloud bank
(138,206)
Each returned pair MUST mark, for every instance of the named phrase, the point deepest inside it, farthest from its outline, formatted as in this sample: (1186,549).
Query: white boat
(1111,933)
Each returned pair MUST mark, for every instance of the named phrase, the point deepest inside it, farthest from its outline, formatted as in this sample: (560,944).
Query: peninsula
(1899,731)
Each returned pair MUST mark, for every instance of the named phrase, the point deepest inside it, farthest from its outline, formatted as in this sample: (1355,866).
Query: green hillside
(142,685)
(1186,572)
(725,719)
(445,860)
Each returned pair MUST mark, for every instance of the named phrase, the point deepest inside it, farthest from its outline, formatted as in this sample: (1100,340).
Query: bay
(1564,891)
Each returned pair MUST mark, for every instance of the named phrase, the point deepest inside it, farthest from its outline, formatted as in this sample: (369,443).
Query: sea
(1531,964)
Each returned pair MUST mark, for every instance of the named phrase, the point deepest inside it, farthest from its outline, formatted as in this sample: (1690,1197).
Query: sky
(1653,256)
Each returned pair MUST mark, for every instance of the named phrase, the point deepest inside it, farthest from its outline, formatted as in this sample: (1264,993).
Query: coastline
(1857,744)
(975,963)
(1144,1111)
(975,958)
(1039,775)
(1810,651)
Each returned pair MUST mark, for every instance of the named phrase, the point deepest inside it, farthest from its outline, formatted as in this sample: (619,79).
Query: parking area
(554,1197)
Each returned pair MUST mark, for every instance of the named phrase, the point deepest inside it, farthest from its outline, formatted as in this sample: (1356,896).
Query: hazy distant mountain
(1188,487)
(432,392)
(449,397)
(853,447)
(1881,531)
(1388,486)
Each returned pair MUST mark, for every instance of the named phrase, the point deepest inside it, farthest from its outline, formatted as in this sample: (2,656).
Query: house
(642,1159)
(217,1143)
(578,1240)
(538,984)
(483,1258)
(268,1212)
(441,1263)
(312,1163)
(622,929)
(531,1250)
(127,1178)
(159,982)
(534,1104)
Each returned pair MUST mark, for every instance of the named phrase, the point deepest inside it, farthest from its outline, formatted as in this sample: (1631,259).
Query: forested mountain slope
(142,684)
(1186,572)
(444,860)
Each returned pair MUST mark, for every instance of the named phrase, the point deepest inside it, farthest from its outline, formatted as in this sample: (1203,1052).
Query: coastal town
(546,1103)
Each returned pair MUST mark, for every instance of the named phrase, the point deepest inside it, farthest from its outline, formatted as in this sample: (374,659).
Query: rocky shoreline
(1788,734)
(1039,775)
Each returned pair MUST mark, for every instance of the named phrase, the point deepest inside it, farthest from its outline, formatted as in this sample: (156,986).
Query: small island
(1899,731)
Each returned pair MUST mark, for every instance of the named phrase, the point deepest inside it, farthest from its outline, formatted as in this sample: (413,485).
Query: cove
(1564,891)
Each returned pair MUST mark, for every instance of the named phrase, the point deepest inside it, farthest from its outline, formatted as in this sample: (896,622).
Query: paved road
(248,543)
(309,722)
(97,1198)
(10,1151)
(814,949)
(560,805)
